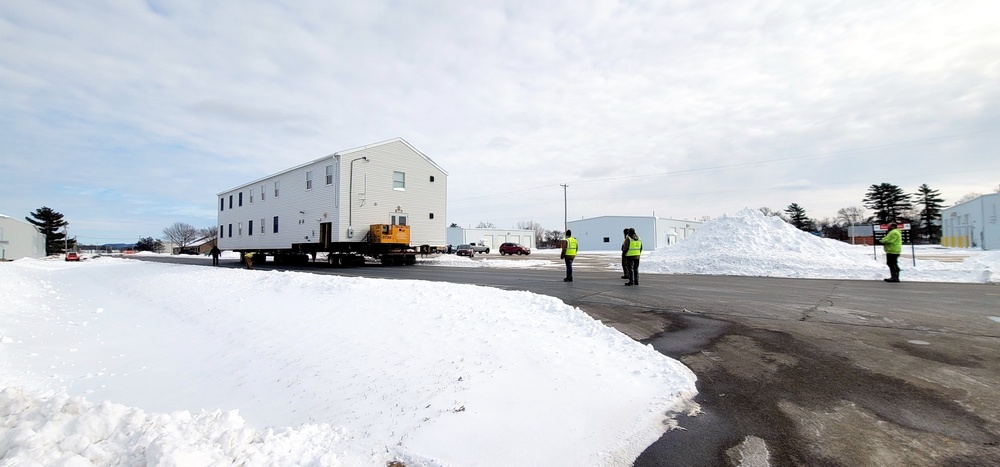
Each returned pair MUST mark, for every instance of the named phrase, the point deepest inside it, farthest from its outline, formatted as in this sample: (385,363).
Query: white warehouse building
(972,224)
(19,239)
(336,198)
(605,232)
(491,237)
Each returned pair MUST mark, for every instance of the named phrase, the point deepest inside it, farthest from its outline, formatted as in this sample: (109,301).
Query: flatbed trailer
(385,243)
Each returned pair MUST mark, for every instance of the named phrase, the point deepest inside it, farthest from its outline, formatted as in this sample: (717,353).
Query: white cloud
(720,101)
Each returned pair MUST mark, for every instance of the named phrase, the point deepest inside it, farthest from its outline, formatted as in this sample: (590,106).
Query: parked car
(72,256)
(465,250)
(514,249)
(480,248)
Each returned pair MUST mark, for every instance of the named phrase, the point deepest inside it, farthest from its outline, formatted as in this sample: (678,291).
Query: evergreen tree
(930,215)
(49,223)
(149,244)
(797,217)
(888,201)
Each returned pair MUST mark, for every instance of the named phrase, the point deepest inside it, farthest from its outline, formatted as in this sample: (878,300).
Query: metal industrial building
(972,224)
(19,239)
(491,237)
(605,232)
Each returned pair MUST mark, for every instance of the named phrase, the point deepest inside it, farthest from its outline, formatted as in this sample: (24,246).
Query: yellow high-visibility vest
(634,247)
(571,246)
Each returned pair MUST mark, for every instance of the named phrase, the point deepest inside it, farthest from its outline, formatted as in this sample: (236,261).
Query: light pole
(565,210)
(350,198)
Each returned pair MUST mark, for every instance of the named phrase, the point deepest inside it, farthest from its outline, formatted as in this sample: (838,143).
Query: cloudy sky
(128,116)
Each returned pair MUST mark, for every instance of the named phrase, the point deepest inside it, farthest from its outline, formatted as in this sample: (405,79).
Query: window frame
(400,184)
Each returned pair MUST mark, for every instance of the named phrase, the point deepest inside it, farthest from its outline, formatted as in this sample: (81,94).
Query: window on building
(607,239)
(222,204)
(432,179)
(275,224)
(329,175)
(222,233)
(230,201)
(230,230)
(241,198)
(239,229)
(262,192)
(250,228)
(262,224)
(432,215)
(398,181)
(309,180)
(276,188)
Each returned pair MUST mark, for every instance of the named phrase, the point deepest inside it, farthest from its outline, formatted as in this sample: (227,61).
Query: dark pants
(569,266)
(215,260)
(632,263)
(892,261)
(624,265)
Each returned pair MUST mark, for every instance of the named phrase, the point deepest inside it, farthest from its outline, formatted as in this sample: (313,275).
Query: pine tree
(930,215)
(49,223)
(888,201)
(797,217)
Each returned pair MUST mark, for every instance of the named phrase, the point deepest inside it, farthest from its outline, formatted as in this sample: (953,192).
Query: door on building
(325,233)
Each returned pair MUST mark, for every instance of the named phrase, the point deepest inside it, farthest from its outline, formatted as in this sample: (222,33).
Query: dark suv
(514,249)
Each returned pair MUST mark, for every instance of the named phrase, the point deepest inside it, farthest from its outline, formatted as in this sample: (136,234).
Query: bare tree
(968,197)
(181,234)
(486,225)
(210,233)
(852,216)
(534,227)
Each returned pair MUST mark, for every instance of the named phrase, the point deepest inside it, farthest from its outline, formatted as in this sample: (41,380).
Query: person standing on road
(632,247)
(892,243)
(625,258)
(568,254)
(214,252)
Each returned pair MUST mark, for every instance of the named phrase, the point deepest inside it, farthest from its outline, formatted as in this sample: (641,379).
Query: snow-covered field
(119,362)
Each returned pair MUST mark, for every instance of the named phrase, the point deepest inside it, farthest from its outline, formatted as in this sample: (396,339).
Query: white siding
(375,201)
(301,211)
(654,232)
(22,239)
(491,237)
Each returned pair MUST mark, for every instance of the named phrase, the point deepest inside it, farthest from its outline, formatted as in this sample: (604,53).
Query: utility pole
(565,210)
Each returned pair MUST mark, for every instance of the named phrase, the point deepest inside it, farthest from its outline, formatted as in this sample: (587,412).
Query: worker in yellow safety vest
(632,247)
(568,254)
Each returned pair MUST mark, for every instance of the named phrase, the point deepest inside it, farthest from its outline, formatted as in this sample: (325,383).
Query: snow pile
(752,244)
(323,370)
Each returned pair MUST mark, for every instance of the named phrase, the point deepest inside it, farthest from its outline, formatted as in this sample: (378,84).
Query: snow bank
(217,366)
(752,244)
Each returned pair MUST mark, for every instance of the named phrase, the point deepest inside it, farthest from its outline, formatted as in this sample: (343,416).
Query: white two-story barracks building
(335,199)
(19,239)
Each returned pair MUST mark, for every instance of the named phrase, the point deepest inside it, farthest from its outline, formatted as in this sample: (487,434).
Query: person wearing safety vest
(892,243)
(568,254)
(632,247)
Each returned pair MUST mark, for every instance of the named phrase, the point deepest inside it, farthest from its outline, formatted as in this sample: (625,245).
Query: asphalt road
(795,371)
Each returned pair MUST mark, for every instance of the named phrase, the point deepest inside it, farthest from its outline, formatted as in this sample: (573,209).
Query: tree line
(888,203)
(54,227)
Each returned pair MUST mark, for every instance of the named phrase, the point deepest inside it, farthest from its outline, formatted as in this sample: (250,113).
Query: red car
(465,250)
(514,249)
(72,256)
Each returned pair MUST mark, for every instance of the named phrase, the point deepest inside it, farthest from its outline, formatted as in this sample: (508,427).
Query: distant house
(19,239)
(972,224)
(605,232)
(491,237)
(201,246)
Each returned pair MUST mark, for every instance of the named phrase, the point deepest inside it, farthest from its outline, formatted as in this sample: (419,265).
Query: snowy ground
(119,362)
